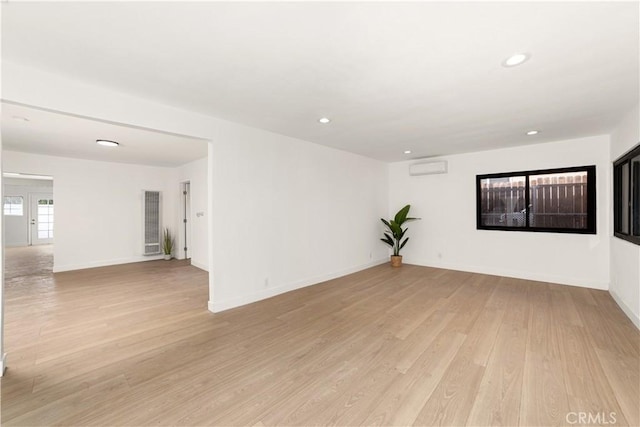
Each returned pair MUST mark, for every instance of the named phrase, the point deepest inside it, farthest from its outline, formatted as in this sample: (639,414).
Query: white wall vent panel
(152,233)
(428,168)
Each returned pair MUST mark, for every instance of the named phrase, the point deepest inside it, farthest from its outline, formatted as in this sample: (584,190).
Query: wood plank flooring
(134,345)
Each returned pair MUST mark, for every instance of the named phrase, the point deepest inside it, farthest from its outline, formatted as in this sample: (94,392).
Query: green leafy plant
(167,242)
(394,234)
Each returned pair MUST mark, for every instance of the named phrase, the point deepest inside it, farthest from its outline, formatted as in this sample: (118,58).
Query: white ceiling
(426,77)
(63,135)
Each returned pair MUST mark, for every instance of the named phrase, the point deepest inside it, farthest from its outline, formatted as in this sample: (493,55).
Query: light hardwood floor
(134,345)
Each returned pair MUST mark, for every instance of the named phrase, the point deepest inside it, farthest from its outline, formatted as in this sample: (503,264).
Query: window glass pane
(45,219)
(635,198)
(13,205)
(503,202)
(43,210)
(558,200)
(624,199)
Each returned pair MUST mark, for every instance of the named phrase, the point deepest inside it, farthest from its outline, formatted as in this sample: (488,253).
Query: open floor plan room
(310,213)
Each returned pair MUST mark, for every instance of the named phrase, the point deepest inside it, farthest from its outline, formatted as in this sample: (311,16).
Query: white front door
(41,219)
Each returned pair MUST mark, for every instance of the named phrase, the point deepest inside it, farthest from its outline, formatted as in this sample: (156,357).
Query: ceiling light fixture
(407,151)
(324,120)
(26,176)
(516,59)
(107,143)
(533,132)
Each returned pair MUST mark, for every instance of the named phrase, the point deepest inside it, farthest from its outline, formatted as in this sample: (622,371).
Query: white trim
(635,319)
(105,263)
(525,275)
(210,223)
(3,364)
(200,265)
(218,306)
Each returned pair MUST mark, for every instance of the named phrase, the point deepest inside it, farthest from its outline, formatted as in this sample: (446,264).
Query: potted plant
(395,233)
(167,244)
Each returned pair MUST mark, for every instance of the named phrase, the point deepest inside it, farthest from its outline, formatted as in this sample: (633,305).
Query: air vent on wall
(428,168)
(151,223)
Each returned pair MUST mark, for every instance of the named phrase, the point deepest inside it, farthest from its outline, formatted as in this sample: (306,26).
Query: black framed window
(549,200)
(626,196)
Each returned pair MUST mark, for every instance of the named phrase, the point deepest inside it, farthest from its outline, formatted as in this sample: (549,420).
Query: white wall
(273,200)
(196,174)
(17,227)
(447,236)
(625,256)
(98,216)
(290,214)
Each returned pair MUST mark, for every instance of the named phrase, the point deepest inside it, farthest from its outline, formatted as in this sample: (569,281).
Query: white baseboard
(3,364)
(104,263)
(218,306)
(634,317)
(539,277)
(200,265)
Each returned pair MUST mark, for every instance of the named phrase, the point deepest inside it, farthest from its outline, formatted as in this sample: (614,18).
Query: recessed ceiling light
(324,120)
(516,59)
(107,143)
(533,132)
(407,151)
(20,118)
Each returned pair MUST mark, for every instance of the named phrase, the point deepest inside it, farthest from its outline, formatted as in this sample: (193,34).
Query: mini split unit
(428,168)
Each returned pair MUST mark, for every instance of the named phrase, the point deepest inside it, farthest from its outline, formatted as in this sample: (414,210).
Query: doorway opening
(28,209)
(167,162)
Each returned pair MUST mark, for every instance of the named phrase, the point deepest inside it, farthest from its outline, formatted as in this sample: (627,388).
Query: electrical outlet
(266,282)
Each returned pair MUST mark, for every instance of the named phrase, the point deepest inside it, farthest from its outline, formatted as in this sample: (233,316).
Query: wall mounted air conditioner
(151,229)
(428,168)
